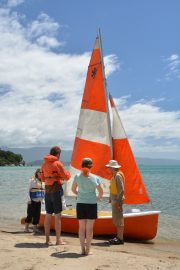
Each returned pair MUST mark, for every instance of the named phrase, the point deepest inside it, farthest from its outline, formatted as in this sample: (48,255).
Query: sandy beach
(22,251)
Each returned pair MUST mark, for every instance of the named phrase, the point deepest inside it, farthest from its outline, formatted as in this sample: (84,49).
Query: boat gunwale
(125,215)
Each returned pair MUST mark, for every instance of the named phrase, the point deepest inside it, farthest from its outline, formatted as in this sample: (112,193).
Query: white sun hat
(113,164)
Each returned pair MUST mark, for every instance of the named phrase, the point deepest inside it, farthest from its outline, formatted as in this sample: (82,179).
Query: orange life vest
(53,171)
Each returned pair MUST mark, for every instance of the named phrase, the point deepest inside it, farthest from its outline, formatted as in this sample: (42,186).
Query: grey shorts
(117,216)
(53,203)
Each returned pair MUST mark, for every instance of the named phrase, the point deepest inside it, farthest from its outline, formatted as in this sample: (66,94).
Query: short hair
(55,150)
(86,162)
(36,173)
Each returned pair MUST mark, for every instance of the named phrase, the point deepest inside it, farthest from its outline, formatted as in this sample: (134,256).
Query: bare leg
(34,228)
(47,224)
(89,234)
(26,227)
(120,231)
(58,229)
(82,234)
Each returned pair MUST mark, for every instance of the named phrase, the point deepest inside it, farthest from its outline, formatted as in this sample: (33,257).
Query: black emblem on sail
(94,72)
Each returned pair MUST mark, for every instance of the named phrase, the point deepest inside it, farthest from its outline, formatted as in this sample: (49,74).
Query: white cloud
(173,67)
(43,31)
(111,64)
(40,89)
(150,130)
(14,3)
(48,42)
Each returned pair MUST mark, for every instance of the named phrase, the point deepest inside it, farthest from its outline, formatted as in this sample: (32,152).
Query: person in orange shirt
(53,174)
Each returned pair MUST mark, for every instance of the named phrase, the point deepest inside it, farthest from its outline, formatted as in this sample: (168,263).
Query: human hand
(29,202)
(116,205)
(99,198)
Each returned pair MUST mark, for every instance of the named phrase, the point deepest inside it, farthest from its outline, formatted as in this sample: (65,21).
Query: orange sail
(135,191)
(93,136)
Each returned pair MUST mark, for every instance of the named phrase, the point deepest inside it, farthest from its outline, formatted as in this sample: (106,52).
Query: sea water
(162,183)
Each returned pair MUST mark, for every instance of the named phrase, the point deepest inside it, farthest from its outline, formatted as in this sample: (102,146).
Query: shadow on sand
(64,254)
(101,244)
(41,232)
(31,245)
(105,241)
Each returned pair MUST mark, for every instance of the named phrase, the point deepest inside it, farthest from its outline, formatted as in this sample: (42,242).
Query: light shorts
(117,216)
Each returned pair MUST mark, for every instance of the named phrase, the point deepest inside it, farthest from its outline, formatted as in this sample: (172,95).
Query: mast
(106,92)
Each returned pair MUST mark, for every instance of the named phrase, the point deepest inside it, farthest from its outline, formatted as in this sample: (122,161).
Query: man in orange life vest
(53,174)
(116,200)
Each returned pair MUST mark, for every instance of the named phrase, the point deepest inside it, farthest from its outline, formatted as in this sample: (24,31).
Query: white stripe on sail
(93,126)
(105,183)
(118,131)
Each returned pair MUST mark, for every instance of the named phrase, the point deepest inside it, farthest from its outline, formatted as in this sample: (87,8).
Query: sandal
(116,241)
(112,240)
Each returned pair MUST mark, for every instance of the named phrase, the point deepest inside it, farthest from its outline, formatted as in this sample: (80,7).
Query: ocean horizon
(162,183)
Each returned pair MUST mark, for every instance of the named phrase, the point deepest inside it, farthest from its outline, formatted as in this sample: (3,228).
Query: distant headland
(8,158)
(34,157)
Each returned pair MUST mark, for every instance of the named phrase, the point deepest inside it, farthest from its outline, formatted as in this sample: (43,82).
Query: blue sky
(45,49)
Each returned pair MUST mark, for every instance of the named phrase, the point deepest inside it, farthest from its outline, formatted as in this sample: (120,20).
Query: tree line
(8,158)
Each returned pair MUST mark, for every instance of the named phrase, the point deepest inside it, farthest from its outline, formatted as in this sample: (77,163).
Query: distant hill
(151,161)
(37,153)
(34,155)
(9,158)
(39,163)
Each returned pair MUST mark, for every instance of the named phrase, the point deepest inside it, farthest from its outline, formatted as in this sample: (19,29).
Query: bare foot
(49,243)
(36,231)
(61,243)
(83,252)
(88,252)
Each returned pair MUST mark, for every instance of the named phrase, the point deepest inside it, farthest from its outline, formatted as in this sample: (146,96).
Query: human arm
(28,192)
(65,175)
(42,175)
(100,192)
(74,188)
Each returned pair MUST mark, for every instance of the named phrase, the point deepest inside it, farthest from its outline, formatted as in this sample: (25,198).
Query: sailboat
(95,138)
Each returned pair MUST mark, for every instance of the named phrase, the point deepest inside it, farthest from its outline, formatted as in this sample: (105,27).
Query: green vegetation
(8,158)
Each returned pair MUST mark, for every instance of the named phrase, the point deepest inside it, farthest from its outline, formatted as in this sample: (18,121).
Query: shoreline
(26,251)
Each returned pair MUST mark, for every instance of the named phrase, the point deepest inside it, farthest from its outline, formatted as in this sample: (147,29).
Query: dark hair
(55,150)
(86,162)
(36,173)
